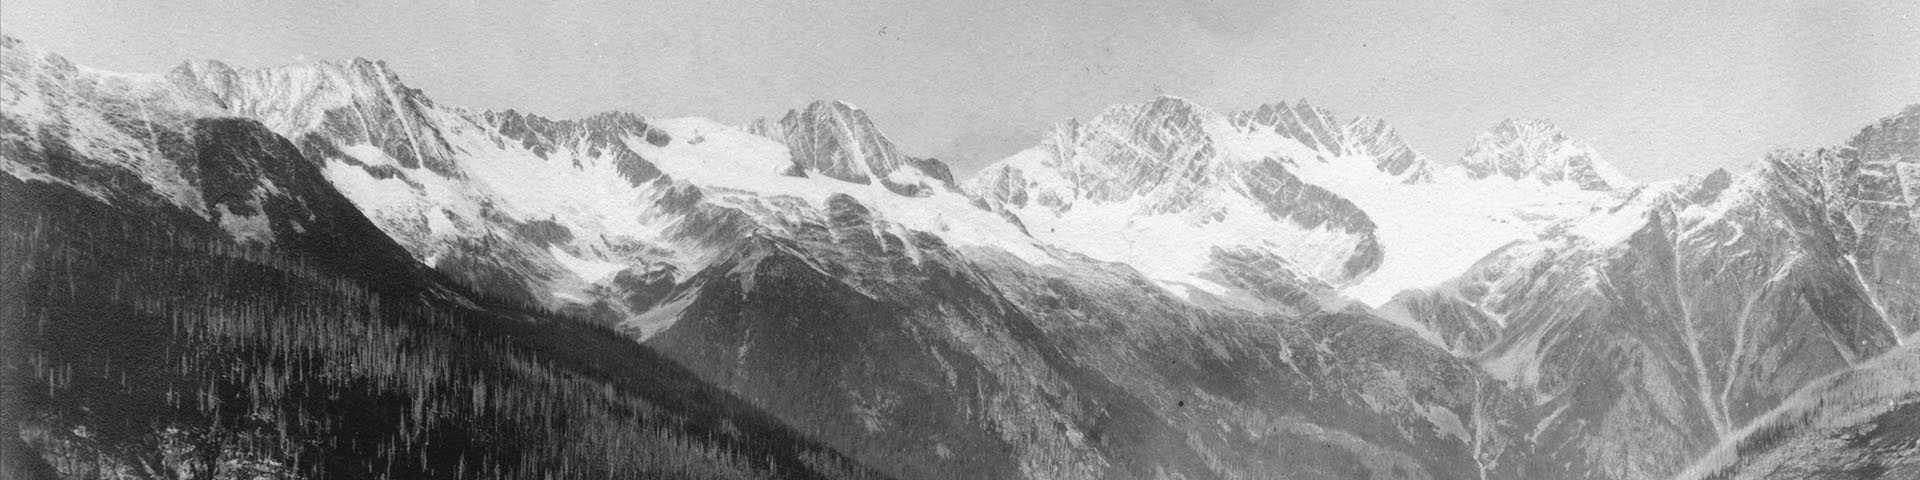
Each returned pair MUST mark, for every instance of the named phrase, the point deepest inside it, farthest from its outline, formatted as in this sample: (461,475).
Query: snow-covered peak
(601,216)
(1311,126)
(1536,149)
(1132,149)
(1894,139)
(1323,135)
(1168,110)
(1189,196)
(1163,184)
(159,147)
(358,101)
(1373,137)
(101,128)
(836,139)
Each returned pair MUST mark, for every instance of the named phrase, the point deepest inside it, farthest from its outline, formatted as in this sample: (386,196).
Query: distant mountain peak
(1190,190)
(1166,118)
(836,139)
(1372,136)
(1536,149)
(1311,126)
(359,101)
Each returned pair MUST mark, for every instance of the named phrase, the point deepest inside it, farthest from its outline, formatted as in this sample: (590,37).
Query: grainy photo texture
(956,240)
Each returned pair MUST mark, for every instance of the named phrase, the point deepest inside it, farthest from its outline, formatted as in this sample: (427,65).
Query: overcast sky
(1661,88)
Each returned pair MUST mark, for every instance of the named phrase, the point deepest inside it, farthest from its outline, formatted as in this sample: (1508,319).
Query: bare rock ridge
(1881,209)
(1312,126)
(1371,136)
(1315,185)
(1170,158)
(1754,283)
(835,139)
(923,335)
(1161,290)
(1535,149)
(1858,421)
(359,101)
(170,248)
(602,135)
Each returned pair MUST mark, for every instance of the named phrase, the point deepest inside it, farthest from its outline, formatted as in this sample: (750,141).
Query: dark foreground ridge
(146,348)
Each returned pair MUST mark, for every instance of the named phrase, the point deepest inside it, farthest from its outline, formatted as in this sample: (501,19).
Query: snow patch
(654,320)
(586,269)
(1432,232)
(735,160)
(246,228)
(1611,228)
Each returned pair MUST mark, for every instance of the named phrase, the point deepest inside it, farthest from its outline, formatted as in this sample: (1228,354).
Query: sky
(1661,88)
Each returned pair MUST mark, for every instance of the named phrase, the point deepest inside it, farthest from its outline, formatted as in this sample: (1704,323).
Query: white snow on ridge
(26,100)
(1609,173)
(1174,249)
(1433,232)
(1433,222)
(246,228)
(1430,232)
(731,159)
(588,270)
(1612,228)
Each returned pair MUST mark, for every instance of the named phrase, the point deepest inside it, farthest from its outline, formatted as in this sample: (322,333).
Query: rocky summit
(316,270)
(1536,150)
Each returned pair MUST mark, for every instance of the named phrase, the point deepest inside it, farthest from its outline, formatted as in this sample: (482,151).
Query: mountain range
(1162,290)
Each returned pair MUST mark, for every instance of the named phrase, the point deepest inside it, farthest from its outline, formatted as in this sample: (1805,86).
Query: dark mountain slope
(1657,330)
(199,302)
(1860,423)
(968,363)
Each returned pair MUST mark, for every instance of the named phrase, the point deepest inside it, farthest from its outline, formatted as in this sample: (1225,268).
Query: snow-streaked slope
(598,216)
(52,103)
(500,193)
(1164,186)
(837,140)
(1434,230)
(1157,186)
(1856,423)
(1650,331)
(1621,339)
(1539,151)
(745,171)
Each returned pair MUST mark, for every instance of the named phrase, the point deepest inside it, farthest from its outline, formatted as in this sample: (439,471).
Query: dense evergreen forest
(136,346)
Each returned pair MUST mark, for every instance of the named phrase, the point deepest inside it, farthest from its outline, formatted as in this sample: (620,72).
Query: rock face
(1878,188)
(1317,129)
(1859,423)
(143,144)
(572,215)
(357,102)
(1686,313)
(837,140)
(1160,291)
(543,216)
(154,242)
(1311,126)
(968,363)
(1535,149)
(1173,182)
(1179,191)
(929,335)
(1372,137)
(602,136)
